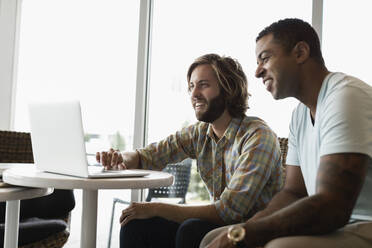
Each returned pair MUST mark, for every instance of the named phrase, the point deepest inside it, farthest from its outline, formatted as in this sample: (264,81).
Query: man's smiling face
(206,97)
(276,67)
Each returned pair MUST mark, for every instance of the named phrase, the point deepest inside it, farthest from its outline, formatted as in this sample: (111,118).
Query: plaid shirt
(242,170)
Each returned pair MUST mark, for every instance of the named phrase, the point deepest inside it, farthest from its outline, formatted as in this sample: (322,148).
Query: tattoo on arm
(339,181)
(341,177)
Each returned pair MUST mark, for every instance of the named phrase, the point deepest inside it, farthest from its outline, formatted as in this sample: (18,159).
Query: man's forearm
(340,178)
(308,216)
(279,201)
(180,213)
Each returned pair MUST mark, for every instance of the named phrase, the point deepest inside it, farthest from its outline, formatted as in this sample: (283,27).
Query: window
(84,50)
(183,31)
(346,39)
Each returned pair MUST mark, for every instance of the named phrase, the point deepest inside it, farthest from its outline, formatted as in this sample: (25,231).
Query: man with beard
(238,158)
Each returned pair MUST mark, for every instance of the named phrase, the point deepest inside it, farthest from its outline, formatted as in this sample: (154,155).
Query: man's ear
(301,51)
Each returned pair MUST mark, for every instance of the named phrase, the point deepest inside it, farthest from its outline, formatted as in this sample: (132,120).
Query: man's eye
(265,59)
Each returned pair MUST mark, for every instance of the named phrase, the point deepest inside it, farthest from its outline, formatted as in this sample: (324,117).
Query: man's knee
(156,231)
(132,234)
(131,227)
(130,231)
(190,233)
(210,236)
(188,227)
(285,242)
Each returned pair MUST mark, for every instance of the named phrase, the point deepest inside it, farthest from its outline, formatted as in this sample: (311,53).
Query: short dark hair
(231,79)
(288,32)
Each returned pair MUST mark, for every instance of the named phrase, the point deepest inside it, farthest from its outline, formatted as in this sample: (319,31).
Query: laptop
(58,145)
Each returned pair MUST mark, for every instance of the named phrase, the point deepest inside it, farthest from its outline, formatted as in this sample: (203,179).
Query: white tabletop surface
(12,193)
(28,175)
(4,166)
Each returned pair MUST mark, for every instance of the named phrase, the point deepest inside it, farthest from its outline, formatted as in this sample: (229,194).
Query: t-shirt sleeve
(292,153)
(346,125)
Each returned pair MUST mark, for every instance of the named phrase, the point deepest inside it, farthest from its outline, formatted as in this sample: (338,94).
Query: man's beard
(216,106)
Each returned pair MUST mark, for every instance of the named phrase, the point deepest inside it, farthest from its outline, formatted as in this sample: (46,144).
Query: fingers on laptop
(104,159)
(98,157)
(115,159)
(122,166)
(111,160)
(101,157)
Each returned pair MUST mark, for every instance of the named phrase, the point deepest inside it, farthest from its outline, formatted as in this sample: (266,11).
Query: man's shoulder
(253,121)
(341,82)
(342,93)
(356,86)
(253,124)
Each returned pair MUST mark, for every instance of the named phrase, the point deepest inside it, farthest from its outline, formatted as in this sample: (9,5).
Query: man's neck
(220,125)
(311,85)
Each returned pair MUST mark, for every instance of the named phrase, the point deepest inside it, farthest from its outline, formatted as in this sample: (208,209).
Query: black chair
(181,172)
(44,221)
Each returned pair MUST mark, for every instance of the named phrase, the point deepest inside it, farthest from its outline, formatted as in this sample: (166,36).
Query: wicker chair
(15,147)
(283,142)
(283,148)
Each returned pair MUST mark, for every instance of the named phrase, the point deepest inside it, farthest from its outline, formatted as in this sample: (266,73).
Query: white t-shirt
(343,124)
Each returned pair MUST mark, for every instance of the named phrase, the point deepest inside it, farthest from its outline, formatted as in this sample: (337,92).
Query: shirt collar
(230,131)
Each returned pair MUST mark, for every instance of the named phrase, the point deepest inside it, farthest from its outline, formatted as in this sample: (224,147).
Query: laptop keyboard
(94,169)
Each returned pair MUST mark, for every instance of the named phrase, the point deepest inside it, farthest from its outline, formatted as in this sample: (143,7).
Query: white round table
(12,195)
(29,176)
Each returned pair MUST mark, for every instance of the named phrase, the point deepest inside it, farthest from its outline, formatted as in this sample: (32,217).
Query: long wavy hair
(231,79)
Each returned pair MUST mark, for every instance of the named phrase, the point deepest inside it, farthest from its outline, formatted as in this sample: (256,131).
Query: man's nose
(259,71)
(195,92)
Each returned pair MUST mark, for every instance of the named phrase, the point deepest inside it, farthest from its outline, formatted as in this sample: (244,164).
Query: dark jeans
(161,233)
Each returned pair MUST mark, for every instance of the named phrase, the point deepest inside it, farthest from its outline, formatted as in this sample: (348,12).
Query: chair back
(44,220)
(181,172)
(15,147)
(283,149)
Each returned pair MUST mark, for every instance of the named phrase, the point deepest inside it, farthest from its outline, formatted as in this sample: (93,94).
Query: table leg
(89,219)
(137,195)
(11,224)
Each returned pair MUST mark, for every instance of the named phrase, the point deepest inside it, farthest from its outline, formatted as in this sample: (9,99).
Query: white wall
(9,23)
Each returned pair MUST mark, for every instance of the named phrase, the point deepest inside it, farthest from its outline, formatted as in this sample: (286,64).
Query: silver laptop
(58,145)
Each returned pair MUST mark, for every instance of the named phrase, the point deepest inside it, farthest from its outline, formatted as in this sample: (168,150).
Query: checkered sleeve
(172,149)
(259,158)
